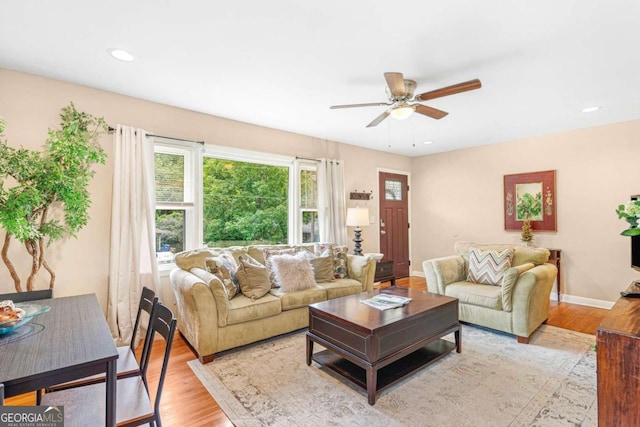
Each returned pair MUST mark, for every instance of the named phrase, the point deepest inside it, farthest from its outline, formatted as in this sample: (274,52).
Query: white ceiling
(282,63)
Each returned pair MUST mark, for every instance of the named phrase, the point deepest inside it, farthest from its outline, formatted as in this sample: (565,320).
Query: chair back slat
(148,301)
(163,323)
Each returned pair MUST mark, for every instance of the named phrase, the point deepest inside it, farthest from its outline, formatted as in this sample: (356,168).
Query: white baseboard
(589,302)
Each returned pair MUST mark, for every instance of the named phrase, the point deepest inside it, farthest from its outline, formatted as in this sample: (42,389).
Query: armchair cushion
(488,267)
(476,294)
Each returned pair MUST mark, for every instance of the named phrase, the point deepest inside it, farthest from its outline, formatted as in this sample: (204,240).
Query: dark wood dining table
(69,342)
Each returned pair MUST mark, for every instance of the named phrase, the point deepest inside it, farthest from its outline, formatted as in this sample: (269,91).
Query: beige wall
(458,196)
(455,195)
(31,105)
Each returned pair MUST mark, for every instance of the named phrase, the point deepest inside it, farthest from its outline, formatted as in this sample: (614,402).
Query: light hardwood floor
(185,401)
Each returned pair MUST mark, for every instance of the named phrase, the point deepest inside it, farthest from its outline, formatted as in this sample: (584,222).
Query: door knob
(383,232)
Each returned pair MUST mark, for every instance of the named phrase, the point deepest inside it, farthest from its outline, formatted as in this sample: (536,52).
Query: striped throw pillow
(488,267)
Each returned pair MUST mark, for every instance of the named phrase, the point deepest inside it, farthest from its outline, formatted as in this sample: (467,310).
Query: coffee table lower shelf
(389,374)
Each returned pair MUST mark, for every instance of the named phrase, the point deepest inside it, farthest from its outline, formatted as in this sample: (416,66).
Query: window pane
(308,190)
(310,227)
(169,234)
(392,190)
(169,177)
(244,203)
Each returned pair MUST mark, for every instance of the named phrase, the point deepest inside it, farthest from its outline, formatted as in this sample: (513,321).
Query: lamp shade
(357,217)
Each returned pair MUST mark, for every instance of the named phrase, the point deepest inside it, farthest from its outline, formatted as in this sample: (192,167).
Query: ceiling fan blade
(378,119)
(434,113)
(450,90)
(371,104)
(395,81)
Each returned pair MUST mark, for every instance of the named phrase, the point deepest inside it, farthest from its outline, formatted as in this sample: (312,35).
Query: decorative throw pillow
(488,267)
(270,253)
(339,254)
(340,270)
(293,272)
(225,268)
(253,278)
(322,268)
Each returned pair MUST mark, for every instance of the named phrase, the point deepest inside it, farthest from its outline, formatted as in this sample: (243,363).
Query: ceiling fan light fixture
(401,113)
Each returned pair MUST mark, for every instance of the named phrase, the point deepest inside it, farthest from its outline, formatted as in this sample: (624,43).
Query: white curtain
(331,202)
(132,262)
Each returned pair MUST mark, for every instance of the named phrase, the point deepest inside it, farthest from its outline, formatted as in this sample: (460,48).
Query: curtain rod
(166,137)
(306,158)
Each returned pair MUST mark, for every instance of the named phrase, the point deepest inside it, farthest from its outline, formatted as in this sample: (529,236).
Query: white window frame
(192,205)
(300,166)
(194,154)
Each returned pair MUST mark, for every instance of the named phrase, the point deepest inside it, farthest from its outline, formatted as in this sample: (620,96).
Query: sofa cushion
(268,256)
(252,277)
(339,253)
(224,266)
(476,294)
(293,272)
(187,260)
(488,267)
(341,288)
(291,300)
(322,268)
(243,309)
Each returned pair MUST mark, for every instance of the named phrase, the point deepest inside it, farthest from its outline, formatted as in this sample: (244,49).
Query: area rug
(494,382)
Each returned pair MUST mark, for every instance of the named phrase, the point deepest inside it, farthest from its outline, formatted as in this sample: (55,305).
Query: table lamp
(357,217)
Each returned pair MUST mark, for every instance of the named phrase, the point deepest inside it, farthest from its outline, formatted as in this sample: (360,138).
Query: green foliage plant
(35,185)
(530,206)
(630,213)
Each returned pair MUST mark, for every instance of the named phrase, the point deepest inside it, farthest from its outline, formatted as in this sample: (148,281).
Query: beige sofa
(212,323)
(519,306)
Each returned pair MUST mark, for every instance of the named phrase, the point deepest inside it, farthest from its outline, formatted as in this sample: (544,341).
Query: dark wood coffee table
(374,349)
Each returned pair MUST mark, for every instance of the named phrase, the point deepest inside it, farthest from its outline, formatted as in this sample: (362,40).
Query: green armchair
(518,306)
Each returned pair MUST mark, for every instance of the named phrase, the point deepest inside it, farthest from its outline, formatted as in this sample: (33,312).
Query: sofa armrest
(362,269)
(198,301)
(439,272)
(508,282)
(530,298)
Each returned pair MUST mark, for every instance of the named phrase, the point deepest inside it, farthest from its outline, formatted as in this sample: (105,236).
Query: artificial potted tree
(44,194)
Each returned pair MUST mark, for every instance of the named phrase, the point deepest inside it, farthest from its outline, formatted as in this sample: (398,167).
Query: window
(244,203)
(222,197)
(309,204)
(175,170)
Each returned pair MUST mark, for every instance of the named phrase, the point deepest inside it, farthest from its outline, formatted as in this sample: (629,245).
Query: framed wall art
(530,196)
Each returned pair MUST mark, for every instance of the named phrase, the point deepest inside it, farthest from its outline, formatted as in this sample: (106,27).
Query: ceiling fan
(403,103)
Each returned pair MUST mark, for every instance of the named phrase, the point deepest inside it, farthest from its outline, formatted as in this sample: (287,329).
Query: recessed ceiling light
(120,54)
(590,109)
(428,142)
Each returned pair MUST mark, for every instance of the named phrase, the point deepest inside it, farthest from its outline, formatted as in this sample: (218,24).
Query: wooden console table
(554,258)
(618,364)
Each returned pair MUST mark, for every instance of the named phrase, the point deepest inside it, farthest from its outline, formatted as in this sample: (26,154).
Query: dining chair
(85,405)
(127,364)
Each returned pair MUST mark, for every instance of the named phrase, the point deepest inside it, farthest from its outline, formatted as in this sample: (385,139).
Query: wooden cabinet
(618,364)
(384,272)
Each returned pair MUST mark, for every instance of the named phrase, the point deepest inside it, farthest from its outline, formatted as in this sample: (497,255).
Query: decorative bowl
(30,311)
